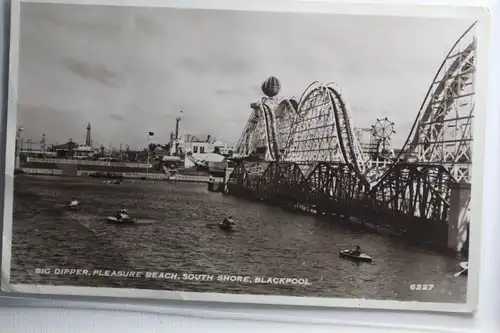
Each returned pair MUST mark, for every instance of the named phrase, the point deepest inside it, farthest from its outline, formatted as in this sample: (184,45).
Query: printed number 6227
(422,287)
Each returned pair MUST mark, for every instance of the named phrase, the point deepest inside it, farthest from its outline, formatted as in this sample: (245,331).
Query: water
(268,242)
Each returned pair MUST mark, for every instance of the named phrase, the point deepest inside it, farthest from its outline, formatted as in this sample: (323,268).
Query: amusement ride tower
(88,138)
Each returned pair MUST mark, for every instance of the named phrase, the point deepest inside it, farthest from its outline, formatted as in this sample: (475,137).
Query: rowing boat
(112,219)
(362,257)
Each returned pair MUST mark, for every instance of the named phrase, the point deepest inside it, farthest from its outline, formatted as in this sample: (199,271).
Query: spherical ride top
(271,86)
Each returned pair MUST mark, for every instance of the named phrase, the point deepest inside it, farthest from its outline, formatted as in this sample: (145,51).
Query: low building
(199,153)
(172,162)
(160,152)
(202,160)
(73,150)
(38,153)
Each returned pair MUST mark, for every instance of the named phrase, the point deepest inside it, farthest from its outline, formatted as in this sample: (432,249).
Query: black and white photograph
(243,156)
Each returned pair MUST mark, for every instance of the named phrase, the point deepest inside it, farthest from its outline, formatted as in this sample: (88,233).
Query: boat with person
(73,204)
(361,257)
(121,217)
(227,224)
(465,269)
(115,220)
(225,227)
(112,182)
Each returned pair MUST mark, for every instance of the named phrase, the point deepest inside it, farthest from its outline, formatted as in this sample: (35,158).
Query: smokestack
(208,138)
(177,121)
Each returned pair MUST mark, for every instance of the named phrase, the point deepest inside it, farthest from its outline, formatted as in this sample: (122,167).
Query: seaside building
(73,150)
(200,153)
(208,154)
(38,152)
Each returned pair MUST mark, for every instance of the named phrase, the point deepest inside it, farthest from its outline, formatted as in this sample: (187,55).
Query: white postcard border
(369,9)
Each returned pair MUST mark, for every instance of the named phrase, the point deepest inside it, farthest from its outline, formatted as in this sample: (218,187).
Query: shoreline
(144,176)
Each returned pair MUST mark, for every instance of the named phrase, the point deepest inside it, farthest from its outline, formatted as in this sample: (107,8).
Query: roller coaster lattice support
(315,162)
(318,128)
(332,187)
(410,192)
(420,191)
(322,130)
(444,130)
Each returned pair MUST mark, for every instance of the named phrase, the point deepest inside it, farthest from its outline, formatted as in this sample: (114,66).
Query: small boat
(73,205)
(363,257)
(226,227)
(112,182)
(115,220)
(465,267)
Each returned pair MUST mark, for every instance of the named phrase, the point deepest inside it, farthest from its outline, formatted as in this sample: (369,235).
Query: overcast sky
(130,70)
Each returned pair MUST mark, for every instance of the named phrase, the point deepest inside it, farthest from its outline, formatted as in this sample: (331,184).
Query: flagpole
(147,166)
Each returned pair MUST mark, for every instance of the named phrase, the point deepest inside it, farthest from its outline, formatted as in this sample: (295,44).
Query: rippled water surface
(268,242)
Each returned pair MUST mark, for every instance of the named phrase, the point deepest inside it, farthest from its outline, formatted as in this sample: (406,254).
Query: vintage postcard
(324,157)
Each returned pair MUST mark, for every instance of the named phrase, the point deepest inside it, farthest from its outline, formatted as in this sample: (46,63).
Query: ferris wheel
(382,132)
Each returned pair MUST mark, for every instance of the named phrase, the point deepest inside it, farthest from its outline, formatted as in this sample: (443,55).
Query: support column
(227,173)
(19,148)
(18,157)
(458,220)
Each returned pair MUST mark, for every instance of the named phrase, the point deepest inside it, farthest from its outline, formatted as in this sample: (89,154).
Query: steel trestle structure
(305,153)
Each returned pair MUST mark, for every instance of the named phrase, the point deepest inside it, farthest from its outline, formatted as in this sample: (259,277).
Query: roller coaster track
(247,139)
(271,133)
(323,107)
(323,169)
(345,131)
(320,129)
(287,114)
(439,95)
(264,116)
(448,104)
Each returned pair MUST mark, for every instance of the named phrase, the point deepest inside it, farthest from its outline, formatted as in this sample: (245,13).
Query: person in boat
(73,203)
(122,214)
(356,250)
(228,222)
